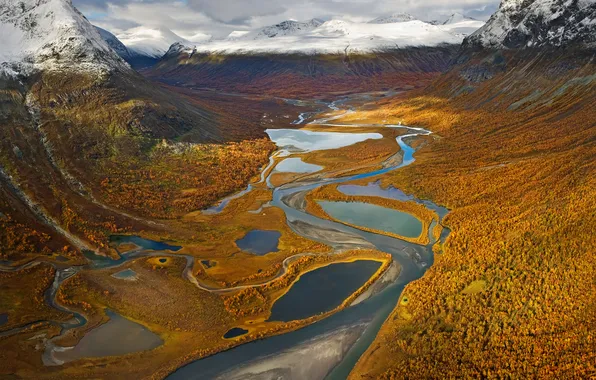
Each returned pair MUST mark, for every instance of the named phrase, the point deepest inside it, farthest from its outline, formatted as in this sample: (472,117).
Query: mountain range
(310,37)
(142,47)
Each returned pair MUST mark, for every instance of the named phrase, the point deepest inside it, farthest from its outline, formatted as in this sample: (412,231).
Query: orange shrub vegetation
(521,186)
(17,238)
(173,183)
(22,296)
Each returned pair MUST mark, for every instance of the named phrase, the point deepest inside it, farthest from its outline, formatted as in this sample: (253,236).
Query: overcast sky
(218,18)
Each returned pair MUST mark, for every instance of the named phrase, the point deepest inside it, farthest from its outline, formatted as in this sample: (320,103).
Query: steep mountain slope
(299,75)
(513,160)
(457,17)
(538,23)
(150,42)
(135,59)
(115,44)
(147,45)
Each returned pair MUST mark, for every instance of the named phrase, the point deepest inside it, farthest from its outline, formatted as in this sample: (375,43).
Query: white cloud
(220,17)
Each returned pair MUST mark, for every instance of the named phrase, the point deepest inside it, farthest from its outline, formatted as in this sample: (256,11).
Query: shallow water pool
(322,290)
(296,165)
(310,141)
(119,336)
(375,217)
(259,242)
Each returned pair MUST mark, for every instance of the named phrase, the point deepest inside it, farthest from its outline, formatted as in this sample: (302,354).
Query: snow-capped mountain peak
(456,18)
(335,28)
(51,35)
(393,18)
(536,23)
(150,41)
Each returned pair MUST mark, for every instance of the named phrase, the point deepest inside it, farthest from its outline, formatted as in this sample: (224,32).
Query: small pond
(259,242)
(235,332)
(127,274)
(310,140)
(3,319)
(119,336)
(296,165)
(375,217)
(322,290)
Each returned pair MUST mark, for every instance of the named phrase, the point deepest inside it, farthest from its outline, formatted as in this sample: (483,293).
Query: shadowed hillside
(302,75)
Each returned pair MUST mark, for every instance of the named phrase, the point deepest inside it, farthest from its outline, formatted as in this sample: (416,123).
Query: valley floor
(185,296)
(485,269)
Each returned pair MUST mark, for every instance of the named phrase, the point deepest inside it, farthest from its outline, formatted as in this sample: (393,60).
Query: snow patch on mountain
(537,23)
(285,28)
(396,17)
(236,34)
(50,35)
(460,25)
